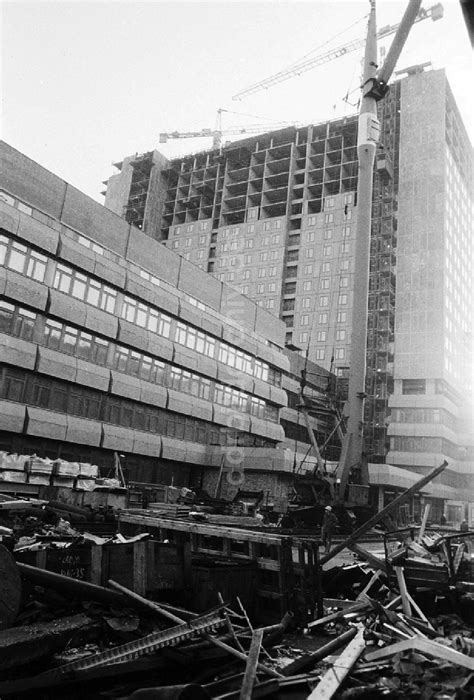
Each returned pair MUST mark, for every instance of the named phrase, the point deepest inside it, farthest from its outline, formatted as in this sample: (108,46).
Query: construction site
(236,437)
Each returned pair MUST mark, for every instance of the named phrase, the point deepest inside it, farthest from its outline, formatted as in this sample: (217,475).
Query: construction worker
(329,525)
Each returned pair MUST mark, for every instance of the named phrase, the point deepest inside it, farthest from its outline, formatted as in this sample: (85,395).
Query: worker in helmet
(330,524)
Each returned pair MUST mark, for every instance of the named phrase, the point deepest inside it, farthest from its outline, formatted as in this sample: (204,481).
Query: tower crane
(217,133)
(434,12)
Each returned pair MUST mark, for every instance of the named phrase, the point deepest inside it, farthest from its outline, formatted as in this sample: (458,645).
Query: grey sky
(86,83)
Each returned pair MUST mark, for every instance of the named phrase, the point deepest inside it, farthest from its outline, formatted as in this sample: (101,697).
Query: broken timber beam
(424,646)
(374,561)
(307,661)
(251,667)
(70,586)
(335,675)
(378,517)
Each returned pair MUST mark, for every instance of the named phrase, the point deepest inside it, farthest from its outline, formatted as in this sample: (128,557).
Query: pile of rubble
(70,637)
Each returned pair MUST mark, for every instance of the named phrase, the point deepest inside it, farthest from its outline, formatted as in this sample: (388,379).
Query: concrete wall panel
(180,403)
(153,395)
(39,234)
(9,218)
(101,322)
(57,364)
(17,352)
(117,438)
(109,272)
(228,375)
(25,290)
(153,256)
(83,431)
(160,347)
(239,308)
(196,454)
(123,385)
(41,422)
(130,334)
(67,308)
(173,449)
(30,182)
(77,254)
(92,376)
(201,409)
(12,416)
(147,444)
(198,284)
(94,221)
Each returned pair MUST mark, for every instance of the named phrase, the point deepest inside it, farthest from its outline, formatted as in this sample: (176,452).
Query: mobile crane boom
(435,12)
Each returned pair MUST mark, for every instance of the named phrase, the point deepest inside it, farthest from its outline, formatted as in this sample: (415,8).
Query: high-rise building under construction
(275,215)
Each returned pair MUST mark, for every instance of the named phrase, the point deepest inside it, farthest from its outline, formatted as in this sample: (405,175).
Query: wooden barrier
(287,568)
(145,566)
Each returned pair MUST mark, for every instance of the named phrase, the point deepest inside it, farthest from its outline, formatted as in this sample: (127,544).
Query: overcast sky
(86,83)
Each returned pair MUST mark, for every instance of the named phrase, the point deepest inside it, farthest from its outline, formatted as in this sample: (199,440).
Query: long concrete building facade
(111,343)
(275,217)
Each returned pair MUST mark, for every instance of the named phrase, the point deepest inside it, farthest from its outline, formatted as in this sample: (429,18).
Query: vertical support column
(352,448)
(139,568)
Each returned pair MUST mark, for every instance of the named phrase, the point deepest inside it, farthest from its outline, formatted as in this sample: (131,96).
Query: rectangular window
(307,285)
(304,337)
(346,231)
(339,353)
(272,271)
(328,218)
(251,228)
(62,278)
(311,220)
(310,237)
(329,203)
(262,272)
(343,281)
(319,354)
(267,225)
(328,234)
(305,302)
(345,247)
(304,319)
(413,386)
(324,283)
(323,318)
(327,250)
(321,336)
(324,301)
(310,253)
(340,335)
(344,264)
(260,288)
(342,299)
(341,317)
(271,287)
(308,269)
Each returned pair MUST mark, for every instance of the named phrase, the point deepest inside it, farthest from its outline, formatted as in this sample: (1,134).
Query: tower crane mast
(434,12)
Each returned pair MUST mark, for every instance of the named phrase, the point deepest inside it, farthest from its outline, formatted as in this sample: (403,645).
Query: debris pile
(110,641)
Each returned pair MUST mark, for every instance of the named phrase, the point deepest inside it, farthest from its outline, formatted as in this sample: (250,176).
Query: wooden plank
(202,529)
(424,646)
(251,667)
(335,675)
(96,564)
(374,561)
(139,567)
(355,607)
(402,586)
(426,512)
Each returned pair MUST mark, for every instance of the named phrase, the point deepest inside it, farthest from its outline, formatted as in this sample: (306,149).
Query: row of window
(56,395)
(28,262)
(426,444)
(20,322)
(423,415)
